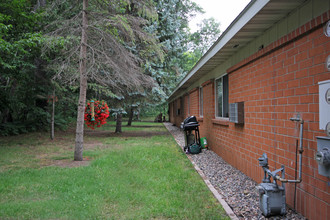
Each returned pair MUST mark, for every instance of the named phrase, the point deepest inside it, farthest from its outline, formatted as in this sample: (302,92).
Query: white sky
(224,11)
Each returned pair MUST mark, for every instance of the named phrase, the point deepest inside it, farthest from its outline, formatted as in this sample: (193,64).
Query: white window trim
(216,98)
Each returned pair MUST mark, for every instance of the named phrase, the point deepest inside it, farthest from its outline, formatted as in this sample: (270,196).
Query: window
(201,101)
(221,97)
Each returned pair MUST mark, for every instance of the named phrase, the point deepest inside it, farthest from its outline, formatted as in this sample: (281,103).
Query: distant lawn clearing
(126,178)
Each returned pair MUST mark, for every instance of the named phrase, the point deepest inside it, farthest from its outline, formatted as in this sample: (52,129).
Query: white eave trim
(240,21)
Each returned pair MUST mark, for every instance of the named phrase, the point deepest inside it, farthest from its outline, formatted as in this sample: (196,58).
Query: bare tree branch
(110,31)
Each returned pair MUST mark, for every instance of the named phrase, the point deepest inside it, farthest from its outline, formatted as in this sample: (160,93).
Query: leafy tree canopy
(134,47)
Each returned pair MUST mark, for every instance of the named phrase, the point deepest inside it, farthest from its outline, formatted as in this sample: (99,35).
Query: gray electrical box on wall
(324,102)
(236,112)
(322,155)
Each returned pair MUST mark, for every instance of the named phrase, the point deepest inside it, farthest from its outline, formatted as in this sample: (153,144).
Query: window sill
(200,119)
(221,121)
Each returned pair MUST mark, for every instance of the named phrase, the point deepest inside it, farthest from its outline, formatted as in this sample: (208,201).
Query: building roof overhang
(257,17)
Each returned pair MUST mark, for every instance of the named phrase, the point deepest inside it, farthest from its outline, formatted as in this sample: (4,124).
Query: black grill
(190,123)
(190,127)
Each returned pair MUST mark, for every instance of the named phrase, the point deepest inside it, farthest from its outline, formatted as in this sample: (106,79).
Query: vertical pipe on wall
(300,147)
(295,177)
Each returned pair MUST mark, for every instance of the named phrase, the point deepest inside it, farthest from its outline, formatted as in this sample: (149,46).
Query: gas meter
(271,195)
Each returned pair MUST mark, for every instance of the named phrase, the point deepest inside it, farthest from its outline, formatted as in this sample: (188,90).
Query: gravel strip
(237,189)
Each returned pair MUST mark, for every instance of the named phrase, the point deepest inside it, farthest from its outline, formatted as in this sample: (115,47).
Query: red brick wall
(275,84)
(275,88)
(180,103)
(208,109)
(186,106)
(170,110)
(194,102)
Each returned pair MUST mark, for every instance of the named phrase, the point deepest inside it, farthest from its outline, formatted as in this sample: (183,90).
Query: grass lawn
(136,126)
(121,178)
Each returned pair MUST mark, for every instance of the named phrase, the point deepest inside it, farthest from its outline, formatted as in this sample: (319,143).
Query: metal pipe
(298,119)
(286,180)
(301,148)
(295,176)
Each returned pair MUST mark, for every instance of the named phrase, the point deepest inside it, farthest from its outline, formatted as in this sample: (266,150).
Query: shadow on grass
(94,133)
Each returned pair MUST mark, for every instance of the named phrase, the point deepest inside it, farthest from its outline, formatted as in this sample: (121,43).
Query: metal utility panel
(236,112)
(324,104)
(323,155)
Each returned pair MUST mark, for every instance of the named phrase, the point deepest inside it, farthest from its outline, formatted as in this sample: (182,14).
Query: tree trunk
(130,119)
(119,122)
(52,133)
(138,115)
(78,152)
(7,116)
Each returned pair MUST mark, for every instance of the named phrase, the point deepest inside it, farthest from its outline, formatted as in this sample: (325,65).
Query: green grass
(136,126)
(127,178)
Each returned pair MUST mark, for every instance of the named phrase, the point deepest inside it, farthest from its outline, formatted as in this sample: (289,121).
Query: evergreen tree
(23,86)
(182,48)
(173,33)
(103,47)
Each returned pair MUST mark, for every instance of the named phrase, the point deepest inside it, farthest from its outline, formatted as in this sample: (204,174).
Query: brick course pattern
(275,84)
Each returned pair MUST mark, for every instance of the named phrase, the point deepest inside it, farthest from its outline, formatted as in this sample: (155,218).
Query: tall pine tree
(100,37)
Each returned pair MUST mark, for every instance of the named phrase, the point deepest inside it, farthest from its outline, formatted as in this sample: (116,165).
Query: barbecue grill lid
(190,119)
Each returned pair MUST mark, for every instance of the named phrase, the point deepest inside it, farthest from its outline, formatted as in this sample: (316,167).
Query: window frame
(216,97)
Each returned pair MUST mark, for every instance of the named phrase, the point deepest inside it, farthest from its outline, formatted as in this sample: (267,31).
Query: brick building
(271,58)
